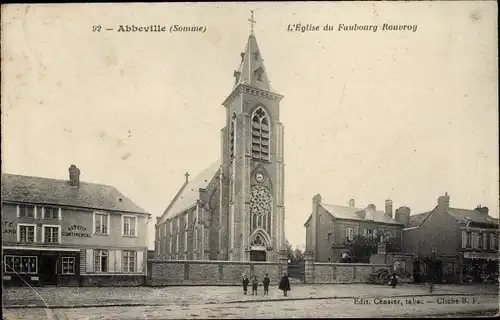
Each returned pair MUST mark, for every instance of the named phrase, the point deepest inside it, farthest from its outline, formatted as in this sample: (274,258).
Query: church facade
(234,210)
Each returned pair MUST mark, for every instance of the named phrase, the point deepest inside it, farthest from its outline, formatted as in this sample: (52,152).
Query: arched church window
(232,138)
(260,134)
(260,207)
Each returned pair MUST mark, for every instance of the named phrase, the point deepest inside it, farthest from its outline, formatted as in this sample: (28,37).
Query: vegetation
(362,247)
(294,256)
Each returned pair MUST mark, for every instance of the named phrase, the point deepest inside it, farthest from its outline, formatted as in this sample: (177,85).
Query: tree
(289,251)
(298,255)
(361,248)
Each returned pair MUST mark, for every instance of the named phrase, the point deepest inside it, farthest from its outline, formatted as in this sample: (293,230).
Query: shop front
(41,267)
(480,266)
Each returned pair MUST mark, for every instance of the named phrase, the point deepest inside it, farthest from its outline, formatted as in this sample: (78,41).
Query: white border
(19,233)
(136,233)
(59,232)
(62,265)
(93,223)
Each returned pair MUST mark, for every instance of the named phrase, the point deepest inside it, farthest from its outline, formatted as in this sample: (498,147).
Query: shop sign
(481,255)
(76,231)
(8,227)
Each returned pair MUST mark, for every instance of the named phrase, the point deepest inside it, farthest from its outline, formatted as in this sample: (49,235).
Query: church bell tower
(252,172)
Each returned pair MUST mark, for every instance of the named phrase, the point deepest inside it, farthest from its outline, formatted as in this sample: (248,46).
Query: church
(234,209)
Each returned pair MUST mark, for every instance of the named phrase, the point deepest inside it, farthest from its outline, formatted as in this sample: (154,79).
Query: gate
(296,271)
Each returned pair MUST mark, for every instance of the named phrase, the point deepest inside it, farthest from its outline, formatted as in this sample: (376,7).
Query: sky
(368,115)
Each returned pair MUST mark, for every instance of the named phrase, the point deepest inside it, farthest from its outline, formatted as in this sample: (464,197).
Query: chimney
(483,210)
(444,201)
(402,216)
(388,208)
(352,204)
(74,176)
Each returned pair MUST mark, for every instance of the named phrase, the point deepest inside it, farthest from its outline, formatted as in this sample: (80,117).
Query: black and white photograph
(250,160)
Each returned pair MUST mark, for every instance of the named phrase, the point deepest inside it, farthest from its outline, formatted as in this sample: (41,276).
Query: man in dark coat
(394,280)
(245,284)
(285,284)
(266,285)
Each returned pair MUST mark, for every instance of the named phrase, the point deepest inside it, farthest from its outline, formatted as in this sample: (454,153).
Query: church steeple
(252,71)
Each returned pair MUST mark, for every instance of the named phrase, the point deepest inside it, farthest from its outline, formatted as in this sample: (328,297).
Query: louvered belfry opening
(260,135)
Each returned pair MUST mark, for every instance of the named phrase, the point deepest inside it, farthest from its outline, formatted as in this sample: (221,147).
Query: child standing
(266,285)
(255,283)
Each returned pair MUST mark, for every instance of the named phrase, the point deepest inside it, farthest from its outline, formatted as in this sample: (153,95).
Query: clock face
(259,177)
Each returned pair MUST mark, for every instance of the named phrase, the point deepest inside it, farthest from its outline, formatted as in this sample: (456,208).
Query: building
(70,233)
(463,242)
(330,227)
(234,210)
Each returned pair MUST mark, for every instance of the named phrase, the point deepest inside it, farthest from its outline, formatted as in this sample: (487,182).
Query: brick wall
(169,272)
(323,272)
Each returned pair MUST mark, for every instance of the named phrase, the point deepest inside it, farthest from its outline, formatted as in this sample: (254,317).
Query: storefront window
(68,265)
(20,264)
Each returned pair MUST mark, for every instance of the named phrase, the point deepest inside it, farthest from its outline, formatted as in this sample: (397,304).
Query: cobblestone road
(58,297)
(328,308)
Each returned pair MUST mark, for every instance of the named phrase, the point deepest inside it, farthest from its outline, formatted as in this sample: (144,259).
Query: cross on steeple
(252,21)
(187,176)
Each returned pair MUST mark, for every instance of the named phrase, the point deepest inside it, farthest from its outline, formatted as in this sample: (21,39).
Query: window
(260,134)
(21,264)
(492,241)
(232,137)
(128,261)
(51,234)
(258,72)
(129,225)
(469,239)
(480,240)
(101,223)
(368,232)
(68,265)
(177,238)
(51,213)
(349,233)
(329,237)
(100,260)
(475,240)
(464,239)
(25,210)
(26,233)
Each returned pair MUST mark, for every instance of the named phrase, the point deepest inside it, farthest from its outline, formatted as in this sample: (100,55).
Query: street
(313,308)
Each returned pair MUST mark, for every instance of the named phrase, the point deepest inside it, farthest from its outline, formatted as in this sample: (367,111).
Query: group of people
(284,284)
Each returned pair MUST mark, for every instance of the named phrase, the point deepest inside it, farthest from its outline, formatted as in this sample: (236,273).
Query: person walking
(266,285)
(245,284)
(255,284)
(284,284)
(394,280)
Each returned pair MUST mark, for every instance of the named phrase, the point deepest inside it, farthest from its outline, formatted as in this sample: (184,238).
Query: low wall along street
(324,272)
(210,272)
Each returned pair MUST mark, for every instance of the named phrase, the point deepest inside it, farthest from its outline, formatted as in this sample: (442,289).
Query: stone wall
(210,272)
(324,272)
(112,280)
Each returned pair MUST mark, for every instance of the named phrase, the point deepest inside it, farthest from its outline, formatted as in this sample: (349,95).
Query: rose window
(257,241)
(260,207)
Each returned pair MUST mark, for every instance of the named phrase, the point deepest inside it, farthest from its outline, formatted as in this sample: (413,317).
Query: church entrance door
(257,255)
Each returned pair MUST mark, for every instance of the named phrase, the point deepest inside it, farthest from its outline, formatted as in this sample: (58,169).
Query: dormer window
(256,55)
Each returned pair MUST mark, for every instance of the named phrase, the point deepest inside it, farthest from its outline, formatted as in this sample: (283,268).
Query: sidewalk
(64,297)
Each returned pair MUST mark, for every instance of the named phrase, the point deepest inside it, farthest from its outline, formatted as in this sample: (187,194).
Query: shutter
(118,261)
(136,226)
(464,239)
(140,258)
(111,261)
(90,260)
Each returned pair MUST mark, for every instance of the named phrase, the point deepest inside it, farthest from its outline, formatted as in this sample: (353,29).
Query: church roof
(252,71)
(57,192)
(190,193)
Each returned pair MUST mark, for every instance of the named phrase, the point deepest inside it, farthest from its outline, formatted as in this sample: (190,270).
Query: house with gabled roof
(463,241)
(70,232)
(330,227)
